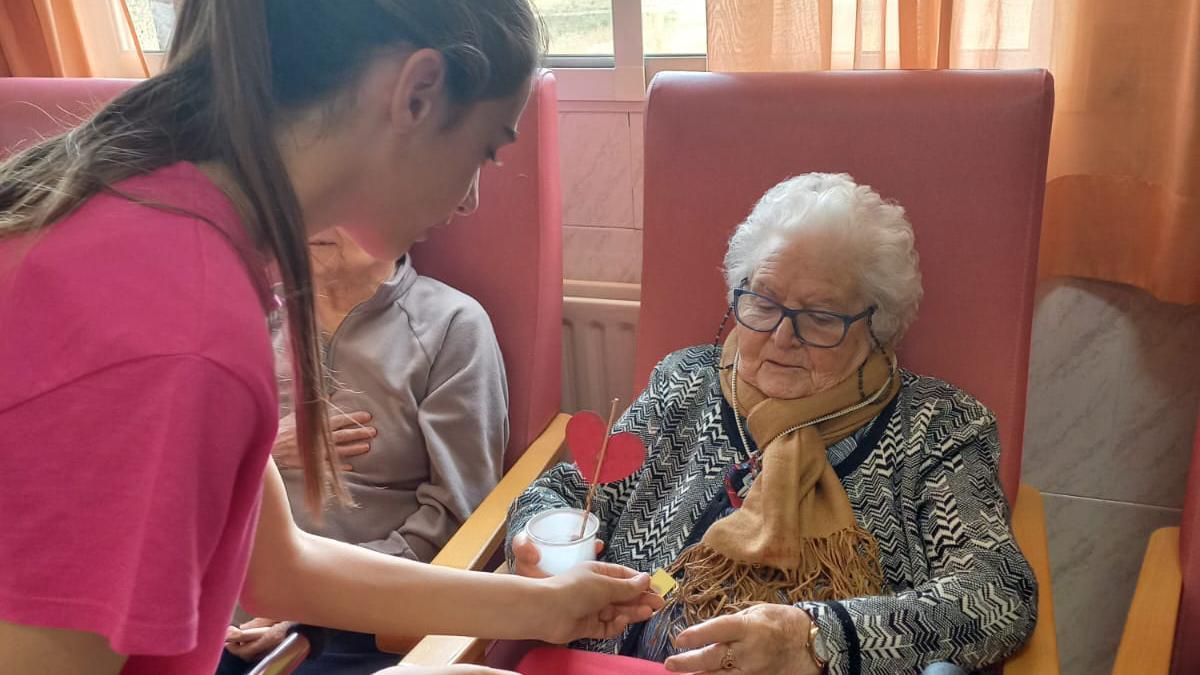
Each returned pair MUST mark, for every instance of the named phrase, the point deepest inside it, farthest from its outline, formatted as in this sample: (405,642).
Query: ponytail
(241,83)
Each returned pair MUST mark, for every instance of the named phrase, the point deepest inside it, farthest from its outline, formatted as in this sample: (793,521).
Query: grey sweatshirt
(422,358)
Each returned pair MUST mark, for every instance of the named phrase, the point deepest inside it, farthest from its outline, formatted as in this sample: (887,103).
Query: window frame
(619,80)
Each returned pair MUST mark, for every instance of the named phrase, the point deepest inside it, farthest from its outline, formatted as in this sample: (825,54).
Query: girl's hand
(596,600)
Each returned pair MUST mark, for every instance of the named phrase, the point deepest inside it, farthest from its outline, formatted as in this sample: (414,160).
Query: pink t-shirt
(137,412)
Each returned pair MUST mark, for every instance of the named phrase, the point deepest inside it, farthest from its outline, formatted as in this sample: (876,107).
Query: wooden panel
(1149,636)
(1039,656)
(442,650)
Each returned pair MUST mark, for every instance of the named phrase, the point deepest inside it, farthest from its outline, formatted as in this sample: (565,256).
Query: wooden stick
(587,504)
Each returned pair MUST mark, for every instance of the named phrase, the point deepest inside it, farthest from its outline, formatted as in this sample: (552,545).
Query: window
(606,50)
(1010,20)
(879,40)
(602,49)
(578,27)
(154,21)
(586,27)
(674,28)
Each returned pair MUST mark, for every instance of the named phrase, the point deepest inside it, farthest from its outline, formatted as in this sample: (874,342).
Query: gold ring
(728,662)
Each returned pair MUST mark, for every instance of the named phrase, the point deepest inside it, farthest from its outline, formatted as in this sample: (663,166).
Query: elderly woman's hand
(248,645)
(762,640)
(526,556)
(351,437)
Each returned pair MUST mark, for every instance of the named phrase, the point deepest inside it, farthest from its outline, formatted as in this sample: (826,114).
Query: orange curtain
(1123,197)
(68,38)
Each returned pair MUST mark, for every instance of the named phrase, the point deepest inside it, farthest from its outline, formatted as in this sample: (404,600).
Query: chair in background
(1162,628)
(508,256)
(33,108)
(963,152)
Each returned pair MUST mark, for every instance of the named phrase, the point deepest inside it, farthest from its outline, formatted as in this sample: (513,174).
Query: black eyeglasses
(813,327)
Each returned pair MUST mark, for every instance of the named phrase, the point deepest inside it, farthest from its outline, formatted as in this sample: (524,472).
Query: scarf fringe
(843,565)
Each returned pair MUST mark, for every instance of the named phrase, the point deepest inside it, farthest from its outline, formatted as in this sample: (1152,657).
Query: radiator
(599,327)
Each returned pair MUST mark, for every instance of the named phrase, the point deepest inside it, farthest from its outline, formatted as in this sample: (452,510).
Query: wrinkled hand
(526,556)
(765,639)
(443,670)
(254,649)
(351,437)
(596,600)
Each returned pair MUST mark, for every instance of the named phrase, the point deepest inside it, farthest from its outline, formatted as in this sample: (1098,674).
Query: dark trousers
(345,653)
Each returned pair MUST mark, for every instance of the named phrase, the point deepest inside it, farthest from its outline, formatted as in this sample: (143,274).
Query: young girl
(138,399)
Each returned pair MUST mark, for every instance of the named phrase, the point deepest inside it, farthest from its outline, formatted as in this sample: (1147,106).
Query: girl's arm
(303,577)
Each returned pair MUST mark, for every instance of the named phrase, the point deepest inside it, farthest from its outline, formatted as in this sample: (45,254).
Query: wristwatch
(817,648)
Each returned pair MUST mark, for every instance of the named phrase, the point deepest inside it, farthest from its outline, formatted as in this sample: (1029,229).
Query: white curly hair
(883,245)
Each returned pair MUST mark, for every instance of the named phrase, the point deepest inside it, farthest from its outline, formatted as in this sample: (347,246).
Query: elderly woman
(420,420)
(819,508)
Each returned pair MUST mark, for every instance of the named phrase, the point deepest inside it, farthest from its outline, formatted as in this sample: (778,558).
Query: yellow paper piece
(662,583)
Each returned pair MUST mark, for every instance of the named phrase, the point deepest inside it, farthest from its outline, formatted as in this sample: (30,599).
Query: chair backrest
(32,108)
(508,255)
(1187,628)
(963,152)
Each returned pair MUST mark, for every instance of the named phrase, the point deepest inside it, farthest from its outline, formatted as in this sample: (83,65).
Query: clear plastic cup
(555,535)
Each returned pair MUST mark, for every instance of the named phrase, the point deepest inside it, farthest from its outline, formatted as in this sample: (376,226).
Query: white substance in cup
(554,533)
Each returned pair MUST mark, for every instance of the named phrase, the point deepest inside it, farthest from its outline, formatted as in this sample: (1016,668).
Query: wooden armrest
(480,537)
(439,651)
(1149,638)
(1039,656)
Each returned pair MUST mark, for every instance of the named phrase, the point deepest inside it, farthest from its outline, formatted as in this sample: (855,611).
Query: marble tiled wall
(1113,393)
(1114,387)
(602,201)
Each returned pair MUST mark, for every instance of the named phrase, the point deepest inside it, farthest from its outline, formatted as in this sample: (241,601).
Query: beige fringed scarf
(795,537)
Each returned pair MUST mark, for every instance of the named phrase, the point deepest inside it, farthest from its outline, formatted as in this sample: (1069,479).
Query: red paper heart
(625,454)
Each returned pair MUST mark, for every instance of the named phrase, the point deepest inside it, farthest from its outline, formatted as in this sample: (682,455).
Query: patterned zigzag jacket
(922,479)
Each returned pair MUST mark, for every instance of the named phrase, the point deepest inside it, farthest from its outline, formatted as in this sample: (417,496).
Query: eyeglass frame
(790,313)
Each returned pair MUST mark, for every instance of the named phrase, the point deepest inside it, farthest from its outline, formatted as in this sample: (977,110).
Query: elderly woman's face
(333,249)
(810,271)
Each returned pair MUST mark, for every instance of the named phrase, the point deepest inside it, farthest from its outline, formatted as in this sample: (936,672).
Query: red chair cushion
(32,108)
(561,661)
